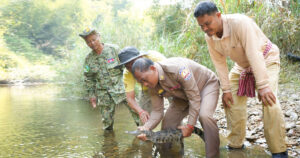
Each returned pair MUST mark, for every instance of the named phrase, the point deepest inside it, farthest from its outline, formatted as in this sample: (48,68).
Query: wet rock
(288,113)
(261,140)
(247,144)
(264,145)
(291,143)
(291,132)
(290,125)
(294,97)
(260,127)
(294,116)
(252,138)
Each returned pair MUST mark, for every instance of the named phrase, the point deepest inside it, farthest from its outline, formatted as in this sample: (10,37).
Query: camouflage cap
(87,32)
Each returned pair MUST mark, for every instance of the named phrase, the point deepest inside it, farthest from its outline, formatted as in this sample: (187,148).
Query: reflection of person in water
(148,149)
(237,154)
(110,146)
(169,150)
(139,149)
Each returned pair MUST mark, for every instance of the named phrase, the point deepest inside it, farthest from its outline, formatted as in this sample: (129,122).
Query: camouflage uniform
(105,83)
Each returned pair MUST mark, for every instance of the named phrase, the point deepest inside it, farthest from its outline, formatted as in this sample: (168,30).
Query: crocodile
(166,136)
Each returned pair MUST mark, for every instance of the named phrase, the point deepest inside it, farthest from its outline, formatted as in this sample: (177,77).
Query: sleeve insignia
(110,60)
(185,73)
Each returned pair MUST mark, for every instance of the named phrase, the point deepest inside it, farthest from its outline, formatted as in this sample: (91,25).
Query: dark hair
(205,7)
(141,64)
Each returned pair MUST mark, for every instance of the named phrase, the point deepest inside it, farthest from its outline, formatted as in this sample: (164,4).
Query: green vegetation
(39,39)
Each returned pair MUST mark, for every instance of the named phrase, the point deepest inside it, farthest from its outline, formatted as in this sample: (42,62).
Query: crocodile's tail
(293,57)
(199,132)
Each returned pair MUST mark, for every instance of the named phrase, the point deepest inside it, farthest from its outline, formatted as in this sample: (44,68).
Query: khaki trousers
(178,109)
(274,128)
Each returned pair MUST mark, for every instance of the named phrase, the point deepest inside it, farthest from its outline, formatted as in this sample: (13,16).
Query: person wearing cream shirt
(256,67)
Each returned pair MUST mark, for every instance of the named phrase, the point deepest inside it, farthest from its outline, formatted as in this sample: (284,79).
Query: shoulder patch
(110,60)
(185,73)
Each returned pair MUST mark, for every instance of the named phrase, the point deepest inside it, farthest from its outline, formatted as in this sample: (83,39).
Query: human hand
(144,116)
(266,96)
(93,102)
(227,99)
(186,131)
(142,136)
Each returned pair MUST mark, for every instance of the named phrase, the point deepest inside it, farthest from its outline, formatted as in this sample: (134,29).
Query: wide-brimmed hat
(87,32)
(128,54)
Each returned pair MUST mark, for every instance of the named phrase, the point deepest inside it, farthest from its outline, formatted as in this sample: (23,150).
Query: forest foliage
(39,39)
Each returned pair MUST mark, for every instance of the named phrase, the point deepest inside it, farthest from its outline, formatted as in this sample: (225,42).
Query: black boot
(280,155)
(110,128)
(232,148)
(137,124)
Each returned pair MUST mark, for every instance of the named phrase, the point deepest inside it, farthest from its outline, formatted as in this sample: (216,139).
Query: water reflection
(35,122)
(169,150)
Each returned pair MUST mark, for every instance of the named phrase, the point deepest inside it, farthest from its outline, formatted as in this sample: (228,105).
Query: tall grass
(280,24)
(187,40)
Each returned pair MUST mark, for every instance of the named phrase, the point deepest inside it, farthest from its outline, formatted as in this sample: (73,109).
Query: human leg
(107,110)
(274,126)
(177,110)
(236,115)
(209,124)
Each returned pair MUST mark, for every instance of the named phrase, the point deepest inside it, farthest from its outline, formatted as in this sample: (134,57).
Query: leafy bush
(32,26)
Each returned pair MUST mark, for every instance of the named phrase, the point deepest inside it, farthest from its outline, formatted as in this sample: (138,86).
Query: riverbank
(289,97)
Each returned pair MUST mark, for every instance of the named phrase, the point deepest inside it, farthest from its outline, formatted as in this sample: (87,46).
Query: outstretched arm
(144,115)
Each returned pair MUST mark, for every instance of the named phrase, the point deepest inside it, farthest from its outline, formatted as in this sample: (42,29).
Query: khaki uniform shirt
(244,42)
(100,77)
(181,78)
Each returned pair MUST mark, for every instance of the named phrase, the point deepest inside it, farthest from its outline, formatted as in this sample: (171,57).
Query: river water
(36,122)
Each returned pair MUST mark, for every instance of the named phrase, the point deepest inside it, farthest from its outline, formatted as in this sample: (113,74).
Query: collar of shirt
(226,29)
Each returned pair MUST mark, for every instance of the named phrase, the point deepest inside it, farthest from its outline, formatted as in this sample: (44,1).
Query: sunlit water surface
(35,122)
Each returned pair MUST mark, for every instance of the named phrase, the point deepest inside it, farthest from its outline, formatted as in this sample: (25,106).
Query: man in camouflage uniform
(103,82)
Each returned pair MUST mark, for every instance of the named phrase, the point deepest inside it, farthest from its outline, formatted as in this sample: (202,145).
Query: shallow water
(35,122)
